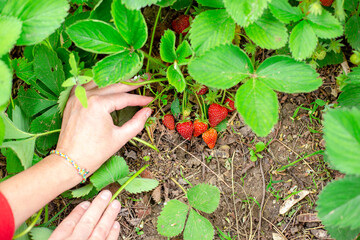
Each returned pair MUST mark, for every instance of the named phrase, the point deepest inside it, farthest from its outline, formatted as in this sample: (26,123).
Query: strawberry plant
(177,216)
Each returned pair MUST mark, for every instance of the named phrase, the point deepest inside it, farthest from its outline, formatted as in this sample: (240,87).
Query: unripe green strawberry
(210,137)
(169,121)
(216,114)
(326,3)
(230,104)
(355,58)
(199,127)
(185,129)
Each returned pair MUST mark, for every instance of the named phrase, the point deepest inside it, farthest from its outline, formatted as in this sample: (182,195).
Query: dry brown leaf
(156,194)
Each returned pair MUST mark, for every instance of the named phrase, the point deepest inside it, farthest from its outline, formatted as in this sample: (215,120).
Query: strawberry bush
(209,53)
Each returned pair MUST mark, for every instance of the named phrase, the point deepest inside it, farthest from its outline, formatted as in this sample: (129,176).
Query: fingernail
(115,204)
(105,194)
(116,225)
(148,113)
(85,205)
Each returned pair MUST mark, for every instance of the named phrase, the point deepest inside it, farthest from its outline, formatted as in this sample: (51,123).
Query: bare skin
(89,137)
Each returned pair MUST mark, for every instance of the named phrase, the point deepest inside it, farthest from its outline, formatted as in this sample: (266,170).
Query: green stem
(127,182)
(46,213)
(203,103)
(223,98)
(188,8)
(47,133)
(201,107)
(133,143)
(143,83)
(145,143)
(183,189)
(152,38)
(183,104)
(158,95)
(154,59)
(300,159)
(28,229)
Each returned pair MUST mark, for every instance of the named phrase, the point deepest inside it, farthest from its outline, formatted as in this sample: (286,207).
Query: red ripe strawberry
(203,90)
(231,104)
(326,3)
(199,127)
(185,129)
(169,121)
(210,137)
(216,113)
(180,24)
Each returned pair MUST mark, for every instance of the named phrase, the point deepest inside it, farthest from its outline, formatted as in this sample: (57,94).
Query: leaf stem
(28,229)
(47,133)
(128,181)
(183,189)
(154,60)
(152,38)
(201,107)
(146,143)
(143,83)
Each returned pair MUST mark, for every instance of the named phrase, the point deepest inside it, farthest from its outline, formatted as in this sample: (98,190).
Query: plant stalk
(146,143)
(28,229)
(152,39)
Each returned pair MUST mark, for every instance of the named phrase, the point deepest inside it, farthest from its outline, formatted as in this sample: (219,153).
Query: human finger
(90,85)
(66,227)
(114,88)
(119,101)
(135,125)
(105,224)
(91,217)
(114,232)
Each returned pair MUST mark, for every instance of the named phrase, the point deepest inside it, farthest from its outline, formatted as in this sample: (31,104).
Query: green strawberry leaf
(176,78)
(107,72)
(340,233)
(340,200)
(48,121)
(80,93)
(11,131)
(131,4)
(138,185)
(165,3)
(352,28)
(11,28)
(39,19)
(342,136)
(167,46)
(302,41)
(172,218)
(5,83)
(210,29)
(258,105)
(245,12)
(49,70)
(2,130)
(282,10)
(182,52)
(223,67)
(268,32)
(102,11)
(96,37)
(83,191)
(278,73)
(23,69)
(260,146)
(24,149)
(40,233)
(130,23)
(33,103)
(350,96)
(181,4)
(113,170)
(198,227)
(212,3)
(204,197)
(325,25)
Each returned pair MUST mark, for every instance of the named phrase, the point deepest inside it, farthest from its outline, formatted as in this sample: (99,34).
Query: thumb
(132,127)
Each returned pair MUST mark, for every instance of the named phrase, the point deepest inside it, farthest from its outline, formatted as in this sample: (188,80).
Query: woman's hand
(91,220)
(88,135)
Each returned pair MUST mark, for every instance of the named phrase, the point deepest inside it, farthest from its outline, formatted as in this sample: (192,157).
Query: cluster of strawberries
(186,128)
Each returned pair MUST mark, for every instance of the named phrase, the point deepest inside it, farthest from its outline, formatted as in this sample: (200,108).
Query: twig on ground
(233,196)
(276,229)
(262,199)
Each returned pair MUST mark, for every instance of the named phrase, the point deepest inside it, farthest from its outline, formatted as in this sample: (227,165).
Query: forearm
(30,190)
